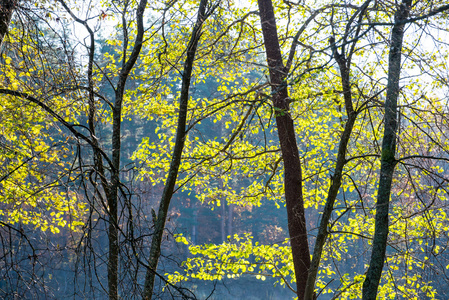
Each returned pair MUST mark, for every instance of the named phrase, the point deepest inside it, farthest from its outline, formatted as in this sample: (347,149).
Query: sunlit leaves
(237,257)
(34,170)
(232,154)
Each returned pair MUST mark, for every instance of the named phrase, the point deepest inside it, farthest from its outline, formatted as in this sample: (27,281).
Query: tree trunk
(230,213)
(112,197)
(344,63)
(223,221)
(167,194)
(328,208)
(290,154)
(388,162)
(6,10)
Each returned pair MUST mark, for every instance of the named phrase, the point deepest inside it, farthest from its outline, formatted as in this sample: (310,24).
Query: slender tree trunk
(344,64)
(388,162)
(112,197)
(223,220)
(167,194)
(195,225)
(290,154)
(328,208)
(111,189)
(230,213)
(6,10)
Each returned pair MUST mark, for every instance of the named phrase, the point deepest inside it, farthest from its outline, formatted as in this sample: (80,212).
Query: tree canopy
(158,149)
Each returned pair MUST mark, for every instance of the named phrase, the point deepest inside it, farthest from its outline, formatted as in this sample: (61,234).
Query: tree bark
(167,194)
(111,189)
(7,8)
(290,154)
(388,161)
(112,197)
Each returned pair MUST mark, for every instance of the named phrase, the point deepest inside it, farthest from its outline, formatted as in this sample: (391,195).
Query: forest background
(219,149)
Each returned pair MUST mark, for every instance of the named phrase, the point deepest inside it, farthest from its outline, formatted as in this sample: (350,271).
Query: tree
(388,161)
(350,36)
(111,187)
(290,154)
(104,165)
(344,63)
(164,204)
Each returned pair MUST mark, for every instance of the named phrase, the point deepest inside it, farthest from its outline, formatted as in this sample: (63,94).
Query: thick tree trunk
(290,154)
(388,162)
(167,194)
(6,10)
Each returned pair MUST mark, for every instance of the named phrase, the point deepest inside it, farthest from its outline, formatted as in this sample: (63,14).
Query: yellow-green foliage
(418,216)
(237,257)
(35,170)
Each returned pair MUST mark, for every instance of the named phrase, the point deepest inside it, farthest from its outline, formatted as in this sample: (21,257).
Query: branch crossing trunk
(155,250)
(290,153)
(388,162)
